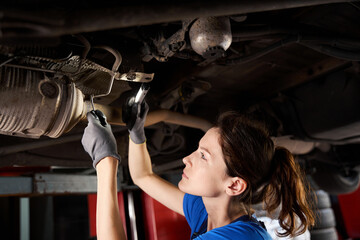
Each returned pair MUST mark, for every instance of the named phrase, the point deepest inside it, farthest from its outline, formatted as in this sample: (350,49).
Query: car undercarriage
(292,65)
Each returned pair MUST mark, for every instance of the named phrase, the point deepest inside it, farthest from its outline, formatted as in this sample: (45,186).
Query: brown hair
(271,173)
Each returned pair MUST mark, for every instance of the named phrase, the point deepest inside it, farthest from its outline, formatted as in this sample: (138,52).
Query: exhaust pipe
(32,105)
(114,117)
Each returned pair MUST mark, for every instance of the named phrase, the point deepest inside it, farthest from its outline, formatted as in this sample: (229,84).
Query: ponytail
(287,187)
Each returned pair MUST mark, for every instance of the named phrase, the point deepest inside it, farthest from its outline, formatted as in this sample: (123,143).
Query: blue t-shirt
(196,215)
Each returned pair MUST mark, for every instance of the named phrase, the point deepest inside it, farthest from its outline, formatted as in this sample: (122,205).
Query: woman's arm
(143,176)
(108,222)
(140,164)
(99,142)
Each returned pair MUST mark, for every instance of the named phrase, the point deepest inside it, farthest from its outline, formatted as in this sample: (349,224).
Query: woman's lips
(184,175)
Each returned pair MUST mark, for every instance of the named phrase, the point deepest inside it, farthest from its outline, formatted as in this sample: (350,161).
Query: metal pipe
(334,52)
(294,146)
(262,31)
(116,65)
(267,50)
(177,118)
(114,116)
(307,41)
(5,150)
(89,20)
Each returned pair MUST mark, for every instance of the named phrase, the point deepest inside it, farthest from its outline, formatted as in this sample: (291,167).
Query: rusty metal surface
(211,37)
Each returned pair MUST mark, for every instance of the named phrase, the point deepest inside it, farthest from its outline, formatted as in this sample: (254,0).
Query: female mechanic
(235,165)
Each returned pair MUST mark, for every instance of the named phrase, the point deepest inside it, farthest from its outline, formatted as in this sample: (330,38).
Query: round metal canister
(210,37)
(32,105)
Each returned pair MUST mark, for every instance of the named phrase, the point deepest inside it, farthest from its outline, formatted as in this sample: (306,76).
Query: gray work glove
(137,132)
(98,139)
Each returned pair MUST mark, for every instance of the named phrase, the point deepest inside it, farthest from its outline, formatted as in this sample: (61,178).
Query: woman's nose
(186,160)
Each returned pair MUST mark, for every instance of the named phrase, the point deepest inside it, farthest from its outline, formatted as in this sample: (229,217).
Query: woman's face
(205,170)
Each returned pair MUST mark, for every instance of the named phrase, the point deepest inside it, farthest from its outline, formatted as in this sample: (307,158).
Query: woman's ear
(235,186)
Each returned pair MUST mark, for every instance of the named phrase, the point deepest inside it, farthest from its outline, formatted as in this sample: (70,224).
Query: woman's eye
(202,155)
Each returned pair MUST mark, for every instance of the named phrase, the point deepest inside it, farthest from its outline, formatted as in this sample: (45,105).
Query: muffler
(32,105)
